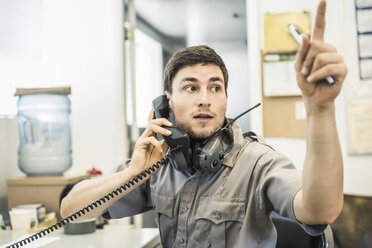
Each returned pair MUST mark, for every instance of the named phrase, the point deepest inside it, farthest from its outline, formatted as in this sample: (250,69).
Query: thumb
(164,147)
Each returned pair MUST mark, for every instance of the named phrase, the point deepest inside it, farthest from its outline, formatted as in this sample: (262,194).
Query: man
(231,207)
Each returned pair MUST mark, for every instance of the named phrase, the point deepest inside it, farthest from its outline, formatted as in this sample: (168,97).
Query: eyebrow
(189,79)
(215,79)
(192,79)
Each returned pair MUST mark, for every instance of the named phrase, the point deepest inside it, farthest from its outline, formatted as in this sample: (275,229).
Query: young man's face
(198,99)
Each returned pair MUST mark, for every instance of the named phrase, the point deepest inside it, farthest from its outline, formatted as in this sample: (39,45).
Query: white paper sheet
(366,68)
(365,45)
(300,110)
(279,76)
(363,3)
(360,126)
(364,20)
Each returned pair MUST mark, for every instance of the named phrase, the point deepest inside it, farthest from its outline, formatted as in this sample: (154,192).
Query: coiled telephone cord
(91,206)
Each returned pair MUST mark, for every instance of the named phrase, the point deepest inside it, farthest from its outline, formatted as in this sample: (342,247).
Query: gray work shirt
(229,208)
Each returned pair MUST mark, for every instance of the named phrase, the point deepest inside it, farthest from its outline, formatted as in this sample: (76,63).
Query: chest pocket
(163,215)
(220,220)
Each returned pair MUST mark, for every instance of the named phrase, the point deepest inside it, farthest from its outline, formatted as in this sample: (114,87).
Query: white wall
(149,77)
(358,169)
(9,142)
(20,48)
(76,43)
(84,46)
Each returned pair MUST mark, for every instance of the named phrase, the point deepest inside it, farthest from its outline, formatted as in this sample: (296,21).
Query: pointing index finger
(318,33)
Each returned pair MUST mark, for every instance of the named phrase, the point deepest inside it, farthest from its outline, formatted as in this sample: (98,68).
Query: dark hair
(191,56)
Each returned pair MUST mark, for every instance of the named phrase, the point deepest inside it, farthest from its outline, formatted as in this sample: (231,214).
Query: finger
(160,130)
(318,32)
(338,71)
(316,47)
(301,53)
(323,59)
(161,122)
(151,115)
(154,126)
(146,142)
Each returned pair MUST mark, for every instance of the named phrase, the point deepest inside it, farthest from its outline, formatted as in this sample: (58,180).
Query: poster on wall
(359,87)
(363,12)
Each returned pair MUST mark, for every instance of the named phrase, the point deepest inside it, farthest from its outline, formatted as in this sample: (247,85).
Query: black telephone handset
(179,141)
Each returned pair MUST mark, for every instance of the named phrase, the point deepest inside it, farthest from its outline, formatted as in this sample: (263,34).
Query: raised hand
(315,61)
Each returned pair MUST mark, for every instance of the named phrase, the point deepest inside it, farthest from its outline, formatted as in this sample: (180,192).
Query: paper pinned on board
(365,45)
(277,38)
(363,3)
(300,110)
(364,20)
(279,75)
(360,126)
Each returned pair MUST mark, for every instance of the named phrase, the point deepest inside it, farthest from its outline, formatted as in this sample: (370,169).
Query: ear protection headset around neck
(207,155)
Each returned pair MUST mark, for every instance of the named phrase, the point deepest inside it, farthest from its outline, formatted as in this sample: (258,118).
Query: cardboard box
(33,190)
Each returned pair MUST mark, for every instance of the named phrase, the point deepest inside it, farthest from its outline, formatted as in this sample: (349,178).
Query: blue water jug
(44,131)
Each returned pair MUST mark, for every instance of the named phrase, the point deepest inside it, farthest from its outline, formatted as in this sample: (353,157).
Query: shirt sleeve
(135,202)
(279,183)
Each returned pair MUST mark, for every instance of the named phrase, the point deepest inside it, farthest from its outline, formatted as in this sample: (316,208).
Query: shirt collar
(233,143)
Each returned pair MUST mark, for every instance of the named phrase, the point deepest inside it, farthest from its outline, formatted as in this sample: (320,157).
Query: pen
(296,34)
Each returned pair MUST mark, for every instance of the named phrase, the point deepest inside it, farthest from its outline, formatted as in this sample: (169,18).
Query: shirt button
(185,208)
(218,216)
(182,241)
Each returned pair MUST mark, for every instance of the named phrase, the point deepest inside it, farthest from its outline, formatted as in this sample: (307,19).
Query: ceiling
(196,20)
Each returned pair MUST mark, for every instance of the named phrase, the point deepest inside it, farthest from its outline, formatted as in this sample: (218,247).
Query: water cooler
(44,153)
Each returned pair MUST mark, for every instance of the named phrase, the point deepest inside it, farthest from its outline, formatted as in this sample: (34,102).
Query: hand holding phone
(179,140)
(148,149)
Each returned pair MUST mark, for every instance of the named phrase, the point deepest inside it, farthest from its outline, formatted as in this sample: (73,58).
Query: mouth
(203,117)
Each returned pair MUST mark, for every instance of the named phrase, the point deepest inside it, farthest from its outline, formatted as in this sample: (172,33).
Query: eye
(190,88)
(216,88)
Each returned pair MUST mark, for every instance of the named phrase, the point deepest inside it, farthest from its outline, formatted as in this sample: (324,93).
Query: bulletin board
(282,105)
(283,116)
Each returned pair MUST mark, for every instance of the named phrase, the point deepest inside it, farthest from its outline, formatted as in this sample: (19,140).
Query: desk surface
(115,236)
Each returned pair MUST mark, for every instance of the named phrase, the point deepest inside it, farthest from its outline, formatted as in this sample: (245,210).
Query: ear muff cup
(209,158)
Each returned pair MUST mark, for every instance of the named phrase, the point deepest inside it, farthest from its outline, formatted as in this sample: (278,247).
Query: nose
(204,99)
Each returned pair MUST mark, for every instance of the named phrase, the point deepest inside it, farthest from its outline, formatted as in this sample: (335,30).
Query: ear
(169,97)
(227,96)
